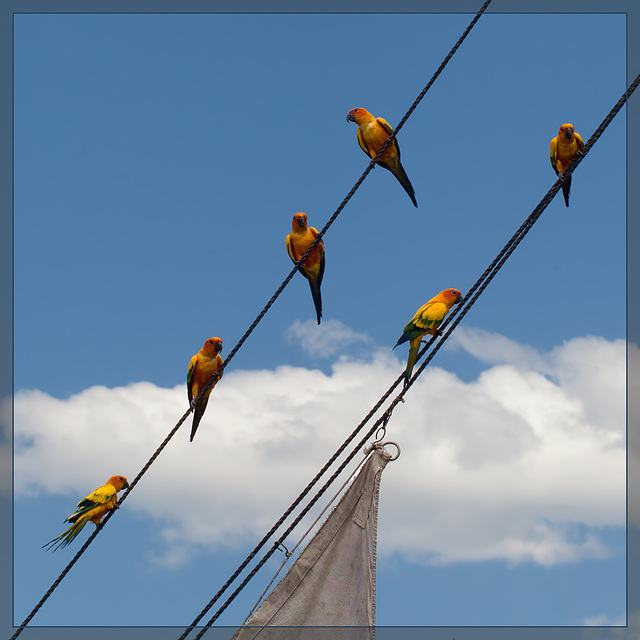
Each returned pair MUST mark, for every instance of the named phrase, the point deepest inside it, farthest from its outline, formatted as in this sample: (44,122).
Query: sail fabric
(332,583)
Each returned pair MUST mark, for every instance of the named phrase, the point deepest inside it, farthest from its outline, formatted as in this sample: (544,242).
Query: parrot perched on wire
(298,241)
(372,134)
(426,321)
(92,508)
(562,150)
(202,366)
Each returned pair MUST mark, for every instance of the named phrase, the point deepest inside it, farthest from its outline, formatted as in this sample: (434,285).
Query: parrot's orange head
(450,297)
(299,221)
(566,130)
(212,346)
(118,482)
(358,115)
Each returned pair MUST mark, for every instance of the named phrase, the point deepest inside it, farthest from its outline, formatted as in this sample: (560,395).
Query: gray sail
(332,583)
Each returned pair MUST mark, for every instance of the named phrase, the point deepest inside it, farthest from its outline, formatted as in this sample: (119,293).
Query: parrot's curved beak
(350,117)
(125,485)
(301,222)
(568,134)
(460,298)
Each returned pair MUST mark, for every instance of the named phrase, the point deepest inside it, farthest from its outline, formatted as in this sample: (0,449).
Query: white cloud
(324,340)
(525,463)
(493,348)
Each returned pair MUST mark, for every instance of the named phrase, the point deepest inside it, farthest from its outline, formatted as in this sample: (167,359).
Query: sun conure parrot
(202,366)
(372,134)
(562,150)
(92,508)
(298,241)
(426,321)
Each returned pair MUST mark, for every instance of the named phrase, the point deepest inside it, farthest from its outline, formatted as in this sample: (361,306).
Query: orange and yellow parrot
(201,368)
(298,241)
(426,321)
(562,150)
(372,134)
(92,508)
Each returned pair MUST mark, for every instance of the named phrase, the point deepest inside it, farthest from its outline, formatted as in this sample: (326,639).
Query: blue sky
(158,160)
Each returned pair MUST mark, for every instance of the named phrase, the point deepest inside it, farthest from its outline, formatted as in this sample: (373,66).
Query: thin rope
(449,325)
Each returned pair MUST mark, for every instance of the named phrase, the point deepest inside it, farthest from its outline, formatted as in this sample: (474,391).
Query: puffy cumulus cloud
(264,435)
(325,340)
(525,463)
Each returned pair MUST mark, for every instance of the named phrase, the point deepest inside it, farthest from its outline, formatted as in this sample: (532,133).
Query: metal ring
(396,445)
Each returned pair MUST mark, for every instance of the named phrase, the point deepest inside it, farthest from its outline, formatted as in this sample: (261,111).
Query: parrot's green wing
(98,497)
(385,124)
(430,315)
(190,370)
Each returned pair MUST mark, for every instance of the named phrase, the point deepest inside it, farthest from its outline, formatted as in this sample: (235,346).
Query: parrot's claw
(580,154)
